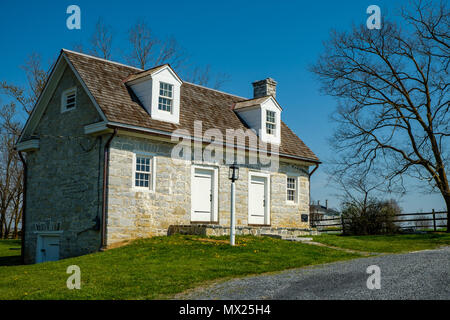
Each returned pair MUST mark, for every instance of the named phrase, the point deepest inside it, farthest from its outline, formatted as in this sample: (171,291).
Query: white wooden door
(202,195)
(48,249)
(257,200)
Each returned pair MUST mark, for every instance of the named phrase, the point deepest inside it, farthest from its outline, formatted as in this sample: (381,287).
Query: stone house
(114,153)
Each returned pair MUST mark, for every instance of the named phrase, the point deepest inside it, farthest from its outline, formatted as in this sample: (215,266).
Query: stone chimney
(264,88)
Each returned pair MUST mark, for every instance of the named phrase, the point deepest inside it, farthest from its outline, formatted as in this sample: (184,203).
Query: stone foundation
(217,230)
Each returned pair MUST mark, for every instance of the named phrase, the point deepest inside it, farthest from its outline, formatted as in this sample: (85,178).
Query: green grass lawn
(386,243)
(155,268)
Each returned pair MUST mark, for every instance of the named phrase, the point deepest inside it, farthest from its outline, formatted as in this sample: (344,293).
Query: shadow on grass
(10,261)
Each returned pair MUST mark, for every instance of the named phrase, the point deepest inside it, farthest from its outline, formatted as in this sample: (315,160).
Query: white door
(202,195)
(257,201)
(48,248)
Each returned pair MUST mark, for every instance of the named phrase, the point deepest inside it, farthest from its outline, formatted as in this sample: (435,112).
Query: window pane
(291,185)
(165,104)
(270,128)
(165,89)
(270,116)
(143,169)
(291,195)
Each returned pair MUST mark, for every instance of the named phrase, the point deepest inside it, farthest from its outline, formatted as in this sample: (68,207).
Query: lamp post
(233,175)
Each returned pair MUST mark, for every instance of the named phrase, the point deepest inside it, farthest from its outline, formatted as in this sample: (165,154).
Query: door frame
(267,211)
(215,191)
(39,242)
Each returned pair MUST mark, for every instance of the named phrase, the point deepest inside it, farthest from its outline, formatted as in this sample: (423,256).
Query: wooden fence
(430,221)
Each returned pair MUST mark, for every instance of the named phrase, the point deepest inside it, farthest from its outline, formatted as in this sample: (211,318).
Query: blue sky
(249,40)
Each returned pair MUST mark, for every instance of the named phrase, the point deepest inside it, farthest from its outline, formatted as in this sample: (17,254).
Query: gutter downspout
(24,204)
(309,183)
(105,180)
(309,186)
(317,167)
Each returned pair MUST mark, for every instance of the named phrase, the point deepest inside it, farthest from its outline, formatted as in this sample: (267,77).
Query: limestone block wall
(133,213)
(64,176)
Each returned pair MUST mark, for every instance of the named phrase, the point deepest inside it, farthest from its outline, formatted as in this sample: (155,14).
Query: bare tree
(11,173)
(358,189)
(11,170)
(393,89)
(204,77)
(36,77)
(148,50)
(101,40)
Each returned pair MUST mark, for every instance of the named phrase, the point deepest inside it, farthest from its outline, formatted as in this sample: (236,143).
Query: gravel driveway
(416,275)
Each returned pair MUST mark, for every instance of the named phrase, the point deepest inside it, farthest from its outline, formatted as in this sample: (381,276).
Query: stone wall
(133,213)
(217,230)
(64,176)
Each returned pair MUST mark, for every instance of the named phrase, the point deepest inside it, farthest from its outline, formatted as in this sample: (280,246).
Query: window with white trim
(165,97)
(69,100)
(143,173)
(291,189)
(270,122)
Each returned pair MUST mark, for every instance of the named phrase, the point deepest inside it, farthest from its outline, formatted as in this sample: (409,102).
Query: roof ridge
(258,98)
(101,59)
(152,68)
(223,92)
(143,70)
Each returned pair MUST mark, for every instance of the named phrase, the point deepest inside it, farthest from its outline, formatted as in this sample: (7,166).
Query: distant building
(320,212)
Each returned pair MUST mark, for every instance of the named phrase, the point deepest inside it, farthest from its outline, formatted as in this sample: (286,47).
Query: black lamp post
(233,175)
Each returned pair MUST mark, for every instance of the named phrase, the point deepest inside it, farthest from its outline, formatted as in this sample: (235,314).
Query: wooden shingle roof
(106,82)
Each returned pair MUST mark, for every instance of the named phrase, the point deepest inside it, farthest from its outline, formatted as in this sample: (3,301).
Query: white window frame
(64,99)
(273,123)
(295,201)
(162,96)
(152,180)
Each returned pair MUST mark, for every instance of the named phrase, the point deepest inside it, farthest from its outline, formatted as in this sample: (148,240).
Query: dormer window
(69,100)
(262,115)
(270,122)
(158,90)
(165,97)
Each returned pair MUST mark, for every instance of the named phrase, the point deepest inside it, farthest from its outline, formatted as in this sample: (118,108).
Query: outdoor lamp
(233,174)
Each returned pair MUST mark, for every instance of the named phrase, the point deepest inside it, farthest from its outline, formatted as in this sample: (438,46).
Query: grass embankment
(386,243)
(155,268)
